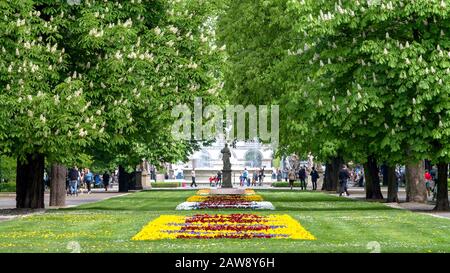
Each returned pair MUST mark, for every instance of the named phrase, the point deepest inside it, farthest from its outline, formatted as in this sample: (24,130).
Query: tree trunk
(392,185)
(384,171)
(416,190)
(326,185)
(30,182)
(124,178)
(331,174)
(428,165)
(442,188)
(371,174)
(58,185)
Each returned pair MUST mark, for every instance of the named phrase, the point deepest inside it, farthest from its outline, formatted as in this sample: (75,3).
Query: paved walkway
(427,208)
(8,202)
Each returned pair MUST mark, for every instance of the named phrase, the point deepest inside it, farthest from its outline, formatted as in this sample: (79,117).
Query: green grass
(8,187)
(339,224)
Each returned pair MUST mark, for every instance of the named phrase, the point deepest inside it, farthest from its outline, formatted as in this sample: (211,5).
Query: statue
(226,155)
(226,172)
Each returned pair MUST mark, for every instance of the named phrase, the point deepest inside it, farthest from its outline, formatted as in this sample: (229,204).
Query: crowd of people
(256,178)
(83,180)
(301,175)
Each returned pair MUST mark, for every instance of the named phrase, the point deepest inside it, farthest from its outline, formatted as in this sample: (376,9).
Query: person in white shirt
(193,177)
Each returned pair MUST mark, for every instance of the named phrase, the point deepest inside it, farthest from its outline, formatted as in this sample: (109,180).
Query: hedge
(8,187)
(284,184)
(166,184)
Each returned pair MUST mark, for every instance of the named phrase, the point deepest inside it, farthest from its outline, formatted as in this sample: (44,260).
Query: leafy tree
(98,76)
(360,79)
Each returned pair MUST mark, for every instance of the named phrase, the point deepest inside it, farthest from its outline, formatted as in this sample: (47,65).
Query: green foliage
(97,81)
(7,186)
(354,78)
(166,184)
(284,184)
(7,169)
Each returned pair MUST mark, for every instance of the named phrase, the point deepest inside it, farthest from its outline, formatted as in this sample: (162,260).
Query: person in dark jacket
(344,175)
(314,177)
(106,180)
(302,177)
(73,181)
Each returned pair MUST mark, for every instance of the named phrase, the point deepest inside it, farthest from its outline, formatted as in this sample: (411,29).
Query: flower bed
(225,198)
(225,205)
(207,192)
(233,226)
(203,200)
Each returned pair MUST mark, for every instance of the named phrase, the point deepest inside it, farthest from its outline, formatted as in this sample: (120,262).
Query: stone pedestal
(226,191)
(226,179)
(145,180)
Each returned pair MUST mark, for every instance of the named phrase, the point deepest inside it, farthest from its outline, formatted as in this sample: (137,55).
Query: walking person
(88,178)
(219,178)
(344,175)
(279,175)
(73,181)
(314,177)
(255,178)
(428,182)
(261,176)
(245,176)
(106,177)
(193,178)
(291,176)
(302,177)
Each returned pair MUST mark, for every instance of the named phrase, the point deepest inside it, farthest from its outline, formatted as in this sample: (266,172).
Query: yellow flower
(274,226)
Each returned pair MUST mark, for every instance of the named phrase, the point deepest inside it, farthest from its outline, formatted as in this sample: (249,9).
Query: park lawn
(338,223)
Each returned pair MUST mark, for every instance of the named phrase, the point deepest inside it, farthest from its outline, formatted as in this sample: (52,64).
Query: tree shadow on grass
(309,209)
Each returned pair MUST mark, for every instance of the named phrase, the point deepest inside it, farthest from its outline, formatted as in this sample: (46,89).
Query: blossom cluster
(231,226)
(205,200)
(225,198)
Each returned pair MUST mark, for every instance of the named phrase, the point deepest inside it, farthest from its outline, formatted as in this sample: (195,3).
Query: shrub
(8,187)
(166,184)
(284,184)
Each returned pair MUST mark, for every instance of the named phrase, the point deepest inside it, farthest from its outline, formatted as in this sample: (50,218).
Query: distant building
(207,162)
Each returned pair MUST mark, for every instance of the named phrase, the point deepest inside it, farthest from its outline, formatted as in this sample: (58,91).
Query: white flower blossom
(170,43)
(82,133)
(157,31)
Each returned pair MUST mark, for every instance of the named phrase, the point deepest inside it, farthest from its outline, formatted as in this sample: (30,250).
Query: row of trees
(365,81)
(97,80)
